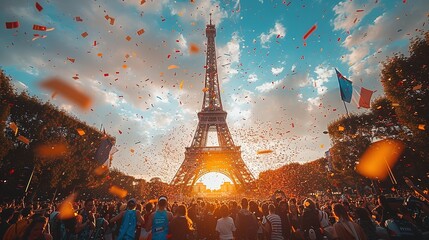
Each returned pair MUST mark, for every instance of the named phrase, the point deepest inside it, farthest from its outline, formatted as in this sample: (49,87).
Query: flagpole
(345,106)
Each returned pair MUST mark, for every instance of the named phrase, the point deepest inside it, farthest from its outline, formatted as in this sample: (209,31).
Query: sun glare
(213,180)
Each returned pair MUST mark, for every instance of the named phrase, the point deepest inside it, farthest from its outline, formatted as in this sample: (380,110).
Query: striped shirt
(276,226)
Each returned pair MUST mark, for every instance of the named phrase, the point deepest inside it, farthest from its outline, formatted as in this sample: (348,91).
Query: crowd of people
(279,218)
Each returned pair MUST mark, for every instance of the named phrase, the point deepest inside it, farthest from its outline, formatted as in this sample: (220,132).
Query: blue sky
(280,91)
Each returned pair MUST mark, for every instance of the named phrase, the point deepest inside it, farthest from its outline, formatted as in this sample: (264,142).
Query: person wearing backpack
(272,224)
(246,223)
(130,218)
(310,224)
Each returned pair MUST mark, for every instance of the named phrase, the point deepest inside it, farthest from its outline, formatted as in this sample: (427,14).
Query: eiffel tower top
(212,101)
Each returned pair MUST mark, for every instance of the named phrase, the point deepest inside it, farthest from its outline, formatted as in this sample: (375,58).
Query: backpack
(98,233)
(248,226)
(55,225)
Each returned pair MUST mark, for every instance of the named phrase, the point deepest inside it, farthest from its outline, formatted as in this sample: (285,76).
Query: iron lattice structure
(224,158)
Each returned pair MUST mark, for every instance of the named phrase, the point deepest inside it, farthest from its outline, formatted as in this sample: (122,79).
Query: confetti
(39,27)
(101,170)
(11,25)
(117,191)
(205,89)
(140,32)
(39,7)
(172,67)
(71,59)
(66,207)
(124,67)
(23,139)
(359,10)
(422,127)
(37,36)
(68,92)
(340,128)
(51,150)
(418,87)
(128,38)
(84,34)
(78,19)
(181,85)
(14,128)
(99,54)
(312,29)
(193,48)
(80,131)
(379,157)
(264,151)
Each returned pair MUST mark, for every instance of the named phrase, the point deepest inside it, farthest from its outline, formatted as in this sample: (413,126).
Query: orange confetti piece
(205,89)
(422,127)
(132,150)
(379,157)
(23,139)
(124,66)
(395,104)
(80,131)
(193,48)
(181,85)
(117,191)
(128,38)
(264,151)
(14,128)
(66,207)
(84,34)
(340,128)
(172,67)
(99,54)
(140,32)
(51,150)
(101,170)
(68,92)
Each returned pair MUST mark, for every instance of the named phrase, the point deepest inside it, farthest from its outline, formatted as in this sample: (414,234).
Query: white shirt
(225,226)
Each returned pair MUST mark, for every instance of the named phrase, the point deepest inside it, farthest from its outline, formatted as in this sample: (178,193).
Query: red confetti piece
(120,132)
(95,43)
(168,56)
(39,27)
(106,74)
(128,38)
(84,34)
(404,1)
(312,29)
(359,10)
(78,19)
(71,59)
(339,39)
(39,7)
(11,25)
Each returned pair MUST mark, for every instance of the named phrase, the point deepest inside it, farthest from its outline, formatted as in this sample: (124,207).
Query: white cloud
(252,77)
(268,86)
(183,44)
(229,54)
(277,71)
(350,13)
(323,75)
(198,11)
(279,31)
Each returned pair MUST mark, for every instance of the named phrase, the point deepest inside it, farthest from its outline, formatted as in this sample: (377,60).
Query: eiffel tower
(224,158)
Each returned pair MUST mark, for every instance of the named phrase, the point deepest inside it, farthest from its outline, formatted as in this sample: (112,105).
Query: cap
(133,200)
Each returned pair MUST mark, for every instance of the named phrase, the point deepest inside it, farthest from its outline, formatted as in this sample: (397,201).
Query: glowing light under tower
(213,180)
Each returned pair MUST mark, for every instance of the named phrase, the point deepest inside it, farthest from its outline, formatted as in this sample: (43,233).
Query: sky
(280,91)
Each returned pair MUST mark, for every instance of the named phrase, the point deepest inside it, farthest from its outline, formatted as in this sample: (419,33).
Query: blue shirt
(160,225)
